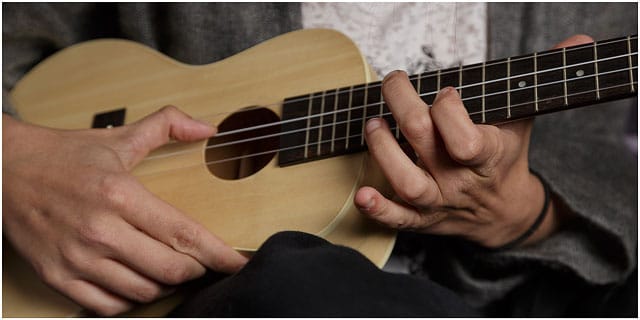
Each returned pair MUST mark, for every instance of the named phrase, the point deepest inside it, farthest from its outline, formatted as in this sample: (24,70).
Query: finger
(156,130)
(410,182)
(410,113)
(574,41)
(466,143)
(152,258)
(94,298)
(370,202)
(165,223)
(123,281)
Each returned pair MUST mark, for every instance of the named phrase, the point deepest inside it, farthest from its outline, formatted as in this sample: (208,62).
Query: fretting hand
(90,229)
(470,180)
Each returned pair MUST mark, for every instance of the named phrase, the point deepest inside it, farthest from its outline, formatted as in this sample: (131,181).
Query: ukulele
(290,114)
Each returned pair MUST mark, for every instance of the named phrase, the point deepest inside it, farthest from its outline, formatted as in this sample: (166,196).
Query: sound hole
(243,146)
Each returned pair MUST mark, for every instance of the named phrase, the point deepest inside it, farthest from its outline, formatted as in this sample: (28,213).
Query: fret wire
(335,119)
(349,114)
(460,80)
(424,94)
(306,139)
(564,75)
(349,118)
(550,52)
(535,79)
(484,120)
(321,122)
(381,99)
(595,63)
(438,82)
(438,78)
(551,83)
(298,130)
(554,51)
(517,59)
(347,137)
(418,85)
(508,88)
(364,111)
(530,73)
(388,113)
(539,72)
(573,94)
(630,63)
(381,115)
(564,50)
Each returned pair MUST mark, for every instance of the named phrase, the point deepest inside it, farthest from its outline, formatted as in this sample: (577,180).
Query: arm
(88,227)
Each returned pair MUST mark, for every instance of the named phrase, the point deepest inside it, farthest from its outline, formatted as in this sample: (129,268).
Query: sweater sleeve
(581,153)
(33,31)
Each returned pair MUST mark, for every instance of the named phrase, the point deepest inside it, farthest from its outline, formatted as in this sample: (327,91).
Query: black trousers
(299,275)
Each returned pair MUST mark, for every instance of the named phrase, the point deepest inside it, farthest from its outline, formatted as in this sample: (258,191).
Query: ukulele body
(70,88)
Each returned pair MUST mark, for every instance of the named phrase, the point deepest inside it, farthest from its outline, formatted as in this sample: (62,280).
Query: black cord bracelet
(536,224)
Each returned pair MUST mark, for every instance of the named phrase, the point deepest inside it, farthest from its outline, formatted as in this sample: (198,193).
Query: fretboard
(330,123)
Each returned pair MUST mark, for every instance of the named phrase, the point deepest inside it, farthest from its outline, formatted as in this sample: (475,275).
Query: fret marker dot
(521,84)
(580,73)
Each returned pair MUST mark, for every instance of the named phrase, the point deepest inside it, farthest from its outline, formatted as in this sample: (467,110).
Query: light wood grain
(69,88)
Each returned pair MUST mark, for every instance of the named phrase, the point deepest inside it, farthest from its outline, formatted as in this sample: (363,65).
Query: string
(283,133)
(360,134)
(441,72)
(488,64)
(305,118)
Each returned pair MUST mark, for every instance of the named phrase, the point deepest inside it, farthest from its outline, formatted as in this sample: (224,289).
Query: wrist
(542,219)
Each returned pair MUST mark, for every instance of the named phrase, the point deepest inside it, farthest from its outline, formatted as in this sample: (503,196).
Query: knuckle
(414,190)
(73,257)
(146,293)
(95,233)
(170,112)
(469,151)
(50,276)
(115,188)
(185,238)
(417,128)
(136,141)
(169,109)
(90,233)
(175,273)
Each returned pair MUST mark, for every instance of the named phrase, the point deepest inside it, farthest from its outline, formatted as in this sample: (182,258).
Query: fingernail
(446,90)
(443,92)
(209,126)
(373,125)
(206,123)
(390,74)
(370,203)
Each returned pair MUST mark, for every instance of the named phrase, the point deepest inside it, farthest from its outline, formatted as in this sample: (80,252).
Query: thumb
(157,129)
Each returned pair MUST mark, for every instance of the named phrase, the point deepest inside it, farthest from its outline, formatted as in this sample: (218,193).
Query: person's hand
(88,227)
(470,180)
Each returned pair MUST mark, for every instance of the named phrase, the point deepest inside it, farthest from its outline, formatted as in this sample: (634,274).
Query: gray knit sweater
(580,152)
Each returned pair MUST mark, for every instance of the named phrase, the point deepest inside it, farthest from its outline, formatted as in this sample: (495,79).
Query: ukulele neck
(331,122)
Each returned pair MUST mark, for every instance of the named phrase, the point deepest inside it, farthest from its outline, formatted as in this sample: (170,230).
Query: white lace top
(415,37)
